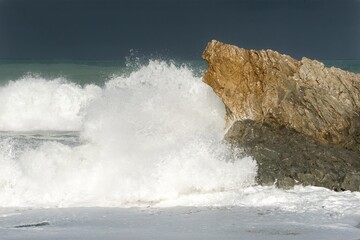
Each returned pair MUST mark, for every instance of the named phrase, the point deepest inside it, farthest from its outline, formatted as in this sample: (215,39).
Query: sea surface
(135,148)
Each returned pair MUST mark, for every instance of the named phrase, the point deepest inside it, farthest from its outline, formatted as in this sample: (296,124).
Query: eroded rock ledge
(298,119)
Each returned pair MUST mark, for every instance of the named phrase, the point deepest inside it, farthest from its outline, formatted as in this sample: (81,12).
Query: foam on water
(153,137)
(34,103)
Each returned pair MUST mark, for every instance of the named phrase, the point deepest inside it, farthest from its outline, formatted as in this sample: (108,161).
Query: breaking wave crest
(34,103)
(151,136)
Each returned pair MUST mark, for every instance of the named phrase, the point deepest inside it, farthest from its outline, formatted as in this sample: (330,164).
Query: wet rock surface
(298,119)
(287,158)
(41,224)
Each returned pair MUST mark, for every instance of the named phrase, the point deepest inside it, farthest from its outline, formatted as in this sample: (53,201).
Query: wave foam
(34,103)
(152,136)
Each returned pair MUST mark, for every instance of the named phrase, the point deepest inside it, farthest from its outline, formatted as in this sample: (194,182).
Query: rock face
(298,119)
(286,157)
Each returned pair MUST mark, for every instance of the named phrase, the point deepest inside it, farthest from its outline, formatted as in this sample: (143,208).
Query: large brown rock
(276,92)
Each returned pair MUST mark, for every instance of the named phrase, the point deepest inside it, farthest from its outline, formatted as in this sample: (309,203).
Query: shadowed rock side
(286,157)
(298,119)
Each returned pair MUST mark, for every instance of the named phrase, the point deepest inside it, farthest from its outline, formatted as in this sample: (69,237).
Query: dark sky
(108,29)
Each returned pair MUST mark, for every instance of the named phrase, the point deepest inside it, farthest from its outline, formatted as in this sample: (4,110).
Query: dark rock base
(288,158)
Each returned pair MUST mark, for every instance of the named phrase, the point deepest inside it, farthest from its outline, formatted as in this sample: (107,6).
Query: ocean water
(141,135)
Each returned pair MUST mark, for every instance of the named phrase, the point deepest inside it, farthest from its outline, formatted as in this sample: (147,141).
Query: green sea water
(347,65)
(98,72)
(80,72)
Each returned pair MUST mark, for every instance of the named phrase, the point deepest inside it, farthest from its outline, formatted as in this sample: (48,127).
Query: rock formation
(298,119)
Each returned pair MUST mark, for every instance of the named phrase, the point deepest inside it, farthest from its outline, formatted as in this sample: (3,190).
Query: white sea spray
(151,136)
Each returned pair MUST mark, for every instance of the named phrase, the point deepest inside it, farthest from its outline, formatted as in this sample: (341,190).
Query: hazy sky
(108,29)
